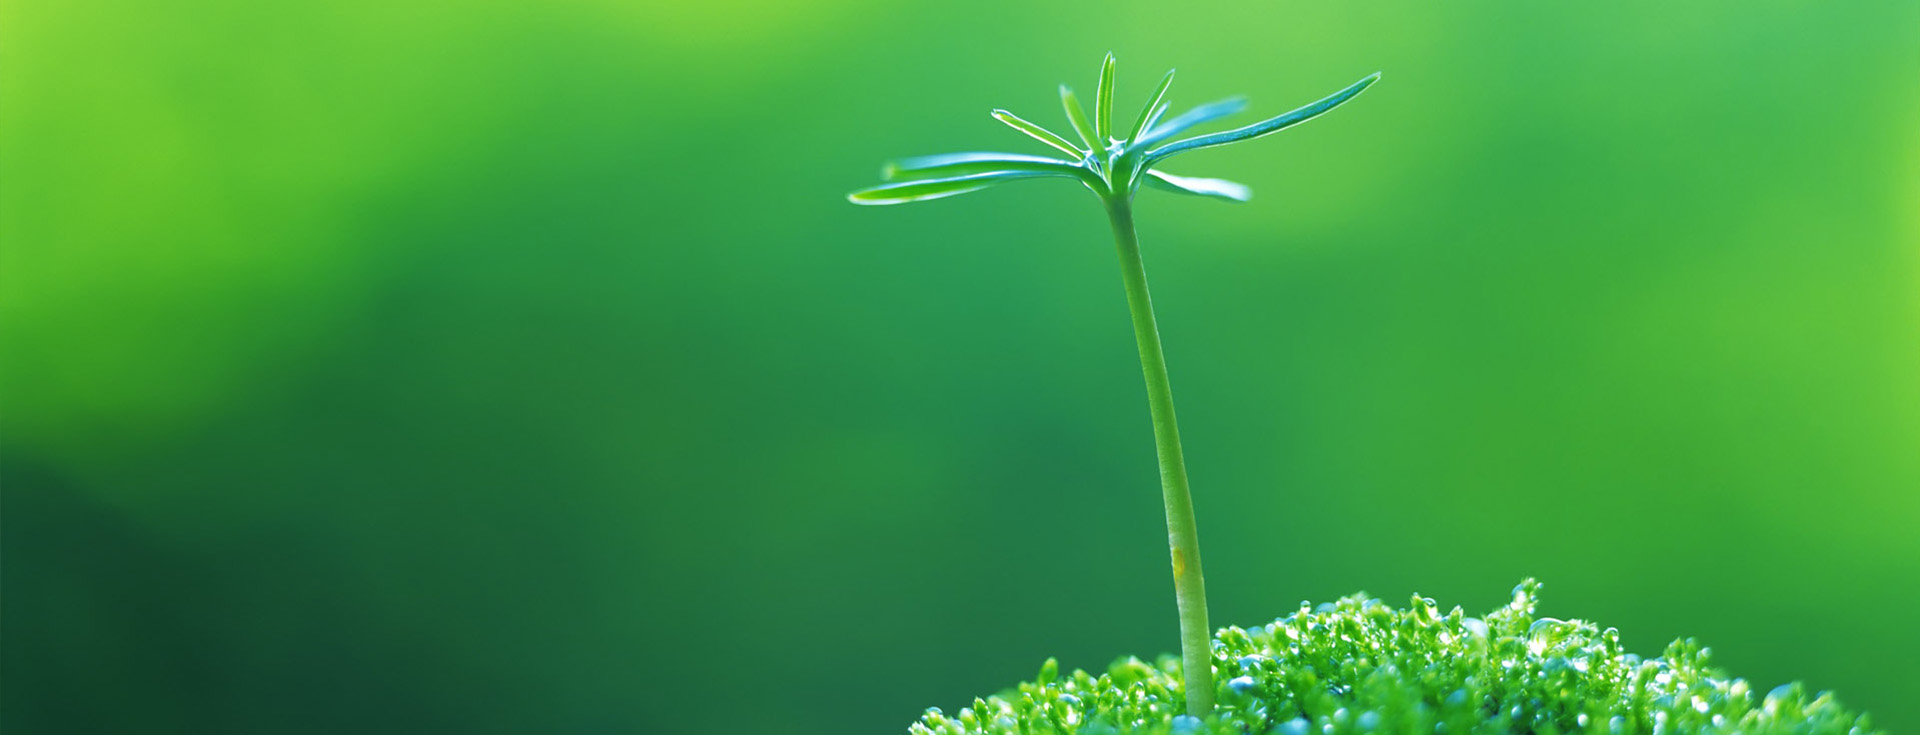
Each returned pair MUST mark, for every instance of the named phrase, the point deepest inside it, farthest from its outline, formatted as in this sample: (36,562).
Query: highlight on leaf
(1152,120)
(1216,188)
(948,165)
(1077,116)
(1201,115)
(925,189)
(1269,126)
(1148,114)
(1039,133)
(1103,103)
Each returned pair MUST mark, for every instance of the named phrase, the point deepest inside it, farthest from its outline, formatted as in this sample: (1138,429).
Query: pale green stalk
(1183,536)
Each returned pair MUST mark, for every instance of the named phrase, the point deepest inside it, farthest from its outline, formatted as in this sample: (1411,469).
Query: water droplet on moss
(1476,626)
(1780,695)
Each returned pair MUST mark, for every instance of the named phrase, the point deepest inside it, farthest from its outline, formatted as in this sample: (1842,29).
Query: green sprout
(1113,167)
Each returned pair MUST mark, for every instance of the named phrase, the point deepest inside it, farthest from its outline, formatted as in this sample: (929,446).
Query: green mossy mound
(1360,666)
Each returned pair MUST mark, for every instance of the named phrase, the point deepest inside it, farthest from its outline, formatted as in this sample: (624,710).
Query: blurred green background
(377,366)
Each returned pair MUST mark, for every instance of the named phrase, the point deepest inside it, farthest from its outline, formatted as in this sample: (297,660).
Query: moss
(1361,666)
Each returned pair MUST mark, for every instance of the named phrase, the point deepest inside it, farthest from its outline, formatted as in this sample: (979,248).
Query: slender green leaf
(1201,115)
(947,165)
(915,191)
(1154,119)
(1103,102)
(1147,113)
(1217,188)
(1266,127)
(1039,133)
(1078,116)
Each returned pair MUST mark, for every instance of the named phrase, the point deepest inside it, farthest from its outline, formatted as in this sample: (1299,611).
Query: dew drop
(1475,626)
(1369,720)
(1779,696)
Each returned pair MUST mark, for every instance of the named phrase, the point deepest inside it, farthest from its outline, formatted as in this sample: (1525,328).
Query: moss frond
(1361,666)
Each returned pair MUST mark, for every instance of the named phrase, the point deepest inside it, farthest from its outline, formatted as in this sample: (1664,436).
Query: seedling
(1355,666)
(1113,167)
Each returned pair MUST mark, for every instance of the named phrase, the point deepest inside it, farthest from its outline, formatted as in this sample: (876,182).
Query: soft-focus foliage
(1360,666)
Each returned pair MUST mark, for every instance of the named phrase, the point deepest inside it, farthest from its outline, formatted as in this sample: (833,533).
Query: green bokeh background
(376,366)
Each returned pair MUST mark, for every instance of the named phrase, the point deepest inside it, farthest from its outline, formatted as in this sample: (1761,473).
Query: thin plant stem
(1189,586)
